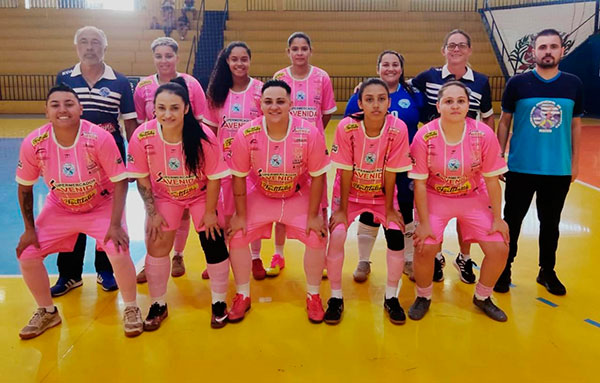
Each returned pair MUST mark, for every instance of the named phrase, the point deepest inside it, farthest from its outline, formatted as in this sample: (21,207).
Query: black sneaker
(438,269)
(490,309)
(64,285)
(335,308)
(503,283)
(549,280)
(394,310)
(419,308)
(219,315)
(155,316)
(465,269)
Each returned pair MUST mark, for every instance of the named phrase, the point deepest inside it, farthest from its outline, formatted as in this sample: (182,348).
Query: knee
(337,238)
(215,250)
(394,239)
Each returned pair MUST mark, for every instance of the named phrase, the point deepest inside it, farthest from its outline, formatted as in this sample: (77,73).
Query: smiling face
(165,60)
(275,104)
(90,47)
(548,51)
(299,52)
(63,110)
(170,110)
(374,101)
(453,105)
(457,50)
(390,70)
(239,62)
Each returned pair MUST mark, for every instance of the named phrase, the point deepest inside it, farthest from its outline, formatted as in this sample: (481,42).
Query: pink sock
(482,292)
(395,266)
(425,292)
(241,264)
(255,249)
(36,277)
(182,234)
(157,273)
(335,257)
(219,276)
(314,262)
(125,275)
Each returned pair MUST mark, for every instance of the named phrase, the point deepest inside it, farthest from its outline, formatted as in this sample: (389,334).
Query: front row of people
(278,165)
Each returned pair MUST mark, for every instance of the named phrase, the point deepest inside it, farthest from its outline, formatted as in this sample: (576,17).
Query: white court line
(596,188)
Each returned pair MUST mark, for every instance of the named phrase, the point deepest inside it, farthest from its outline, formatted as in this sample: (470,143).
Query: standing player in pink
(312,100)
(279,163)
(452,154)
(178,165)
(368,153)
(234,99)
(164,53)
(81,165)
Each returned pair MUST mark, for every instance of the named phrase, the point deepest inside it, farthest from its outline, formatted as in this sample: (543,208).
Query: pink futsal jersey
(150,155)
(79,177)
(143,97)
(455,170)
(312,97)
(238,109)
(369,157)
(279,168)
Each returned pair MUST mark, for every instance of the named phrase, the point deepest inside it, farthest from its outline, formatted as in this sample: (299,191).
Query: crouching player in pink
(368,155)
(452,155)
(178,165)
(280,162)
(82,167)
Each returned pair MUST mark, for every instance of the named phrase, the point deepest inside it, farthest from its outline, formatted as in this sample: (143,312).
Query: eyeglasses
(453,46)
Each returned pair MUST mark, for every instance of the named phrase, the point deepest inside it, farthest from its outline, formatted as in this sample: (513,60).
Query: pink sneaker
(239,308)
(258,270)
(314,306)
(277,264)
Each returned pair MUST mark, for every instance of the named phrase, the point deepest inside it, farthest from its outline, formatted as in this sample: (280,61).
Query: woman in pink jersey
(279,163)
(368,154)
(312,100)
(164,53)
(178,165)
(82,167)
(234,99)
(451,156)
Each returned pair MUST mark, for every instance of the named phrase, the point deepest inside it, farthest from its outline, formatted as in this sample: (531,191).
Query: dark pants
(551,192)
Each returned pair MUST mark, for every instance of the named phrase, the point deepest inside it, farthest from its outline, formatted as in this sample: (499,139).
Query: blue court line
(551,304)
(592,322)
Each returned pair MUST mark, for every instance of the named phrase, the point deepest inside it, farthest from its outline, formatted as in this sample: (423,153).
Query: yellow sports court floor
(546,339)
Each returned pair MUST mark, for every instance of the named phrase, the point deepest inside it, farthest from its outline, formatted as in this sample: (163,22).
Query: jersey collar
(467,76)
(108,74)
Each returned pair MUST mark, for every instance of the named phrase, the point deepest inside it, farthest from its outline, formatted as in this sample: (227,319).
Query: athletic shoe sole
(154,327)
(236,320)
(36,334)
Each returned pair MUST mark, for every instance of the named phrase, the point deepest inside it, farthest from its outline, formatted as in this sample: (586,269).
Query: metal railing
(9,3)
(443,5)
(194,47)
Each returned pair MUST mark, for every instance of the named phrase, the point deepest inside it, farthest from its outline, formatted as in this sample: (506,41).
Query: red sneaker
(314,306)
(258,271)
(205,274)
(277,264)
(239,307)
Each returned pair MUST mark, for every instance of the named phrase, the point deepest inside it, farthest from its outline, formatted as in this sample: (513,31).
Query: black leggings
(215,251)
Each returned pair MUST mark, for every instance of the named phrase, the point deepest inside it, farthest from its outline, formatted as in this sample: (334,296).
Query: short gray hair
(166,41)
(94,29)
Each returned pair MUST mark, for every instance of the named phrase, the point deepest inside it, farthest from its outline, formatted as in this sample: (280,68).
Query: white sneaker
(41,321)
(132,321)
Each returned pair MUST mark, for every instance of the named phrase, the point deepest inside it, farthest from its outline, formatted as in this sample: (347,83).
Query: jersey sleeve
(398,160)
(28,170)
(328,105)
(318,160)
(127,107)
(139,104)
(492,164)
(419,81)
(418,153)
(109,157)
(59,78)
(198,99)
(240,154)
(214,165)
(352,105)
(341,150)
(486,101)
(137,161)
(211,116)
(509,97)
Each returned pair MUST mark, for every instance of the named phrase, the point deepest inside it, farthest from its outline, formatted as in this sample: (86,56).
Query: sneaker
(156,315)
(64,285)
(438,270)
(490,309)
(239,307)
(177,266)
(409,270)
(503,283)
(419,308)
(314,306)
(549,280)
(394,310)
(363,269)
(335,308)
(132,321)
(106,279)
(205,274)
(219,315)
(141,276)
(465,269)
(41,321)
(277,264)
(258,271)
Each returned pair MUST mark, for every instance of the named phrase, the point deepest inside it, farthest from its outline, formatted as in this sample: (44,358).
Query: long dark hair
(221,79)
(403,83)
(371,81)
(193,133)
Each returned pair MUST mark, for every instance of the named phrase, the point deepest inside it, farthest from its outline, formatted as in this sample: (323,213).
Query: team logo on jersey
(104,91)
(334,148)
(350,127)
(90,136)
(144,83)
(227,143)
(251,130)
(370,158)
(428,136)
(546,115)
(236,108)
(404,103)
(174,163)
(278,76)
(276,160)
(68,169)
(19,165)
(300,95)
(130,159)
(147,134)
(453,164)
(39,139)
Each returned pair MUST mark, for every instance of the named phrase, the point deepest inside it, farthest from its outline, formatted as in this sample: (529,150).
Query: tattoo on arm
(148,198)
(27,206)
